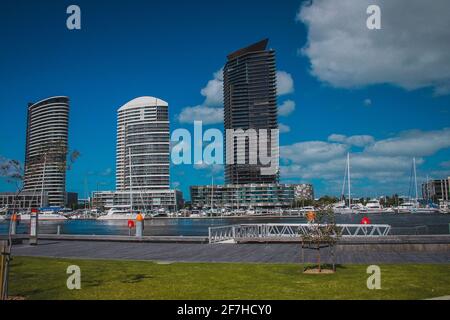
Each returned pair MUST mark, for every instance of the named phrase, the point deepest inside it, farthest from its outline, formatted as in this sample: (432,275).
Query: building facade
(142,160)
(143,143)
(250,103)
(145,201)
(436,190)
(265,196)
(25,200)
(46,148)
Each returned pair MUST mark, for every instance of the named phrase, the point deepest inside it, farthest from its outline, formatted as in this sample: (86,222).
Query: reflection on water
(402,224)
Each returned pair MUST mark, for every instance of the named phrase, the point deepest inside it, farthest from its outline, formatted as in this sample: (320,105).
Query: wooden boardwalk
(198,252)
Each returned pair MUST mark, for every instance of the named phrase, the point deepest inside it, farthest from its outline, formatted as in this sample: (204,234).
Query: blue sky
(385,99)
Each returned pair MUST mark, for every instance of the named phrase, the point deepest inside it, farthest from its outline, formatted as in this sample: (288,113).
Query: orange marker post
(139,225)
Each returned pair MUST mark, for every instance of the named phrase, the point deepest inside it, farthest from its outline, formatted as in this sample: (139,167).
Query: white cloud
(285,83)
(383,165)
(284,128)
(213,92)
(286,108)
(413,143)
(358,141)
(211,168)
(203,113)
(411,50)
(311,151)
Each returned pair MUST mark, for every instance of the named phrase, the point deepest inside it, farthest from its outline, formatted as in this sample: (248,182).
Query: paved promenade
(196,252)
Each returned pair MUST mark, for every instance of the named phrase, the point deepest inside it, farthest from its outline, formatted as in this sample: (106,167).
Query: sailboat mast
(415,177)
(348,180)
(212,190)
(131,190)
(43,179)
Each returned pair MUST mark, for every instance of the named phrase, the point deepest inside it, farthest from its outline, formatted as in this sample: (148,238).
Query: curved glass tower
(46,148)
(143,142)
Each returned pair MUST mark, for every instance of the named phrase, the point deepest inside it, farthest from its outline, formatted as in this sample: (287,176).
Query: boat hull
(43,217)
(119,216)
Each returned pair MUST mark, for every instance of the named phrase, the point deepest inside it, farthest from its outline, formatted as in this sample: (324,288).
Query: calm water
(401,224)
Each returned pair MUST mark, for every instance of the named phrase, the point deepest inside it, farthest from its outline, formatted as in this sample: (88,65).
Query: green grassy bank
(45,278)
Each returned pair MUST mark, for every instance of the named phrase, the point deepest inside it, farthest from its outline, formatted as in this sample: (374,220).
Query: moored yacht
(44,215)
(374,206)
(342,208)
(119,213)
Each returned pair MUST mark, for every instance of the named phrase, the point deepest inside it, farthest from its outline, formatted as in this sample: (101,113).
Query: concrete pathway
(192,252)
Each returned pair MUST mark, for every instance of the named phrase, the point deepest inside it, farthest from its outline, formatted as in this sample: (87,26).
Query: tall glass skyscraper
(46,149)
(250,102)
(143,143)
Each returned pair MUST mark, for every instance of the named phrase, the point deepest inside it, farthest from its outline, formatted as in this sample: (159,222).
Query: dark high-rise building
(46,149)
(250,102)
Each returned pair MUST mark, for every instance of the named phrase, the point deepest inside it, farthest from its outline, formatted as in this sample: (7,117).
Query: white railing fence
(283,231)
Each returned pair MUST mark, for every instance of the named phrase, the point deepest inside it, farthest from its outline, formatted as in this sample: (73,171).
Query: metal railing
(283,231)
(221,234)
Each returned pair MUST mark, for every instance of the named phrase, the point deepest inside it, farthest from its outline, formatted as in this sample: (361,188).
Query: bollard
(130,227)
(58,230)
(4,256)
(14,224)
(34,224)
(139,225)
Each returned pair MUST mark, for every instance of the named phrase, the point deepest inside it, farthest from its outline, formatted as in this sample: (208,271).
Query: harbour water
(401,224)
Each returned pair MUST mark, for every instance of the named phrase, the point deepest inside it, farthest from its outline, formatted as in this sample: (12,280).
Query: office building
(25,200)
(244,196)
(145,201)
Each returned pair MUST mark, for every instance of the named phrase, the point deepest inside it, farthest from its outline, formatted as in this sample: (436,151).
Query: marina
(401,224)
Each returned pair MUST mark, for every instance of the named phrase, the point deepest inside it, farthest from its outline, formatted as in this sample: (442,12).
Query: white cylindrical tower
(143,143)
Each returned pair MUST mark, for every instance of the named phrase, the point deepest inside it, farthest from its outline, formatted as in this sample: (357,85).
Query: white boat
(43,216)
(250,212)
(374,206)
(342,208)
(426,210)
(117,213)
(413,206)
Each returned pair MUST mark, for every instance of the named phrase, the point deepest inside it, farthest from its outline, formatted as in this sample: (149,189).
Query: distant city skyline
(383,107)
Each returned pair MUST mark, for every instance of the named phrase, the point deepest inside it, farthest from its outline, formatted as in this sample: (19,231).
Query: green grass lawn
(45,278)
